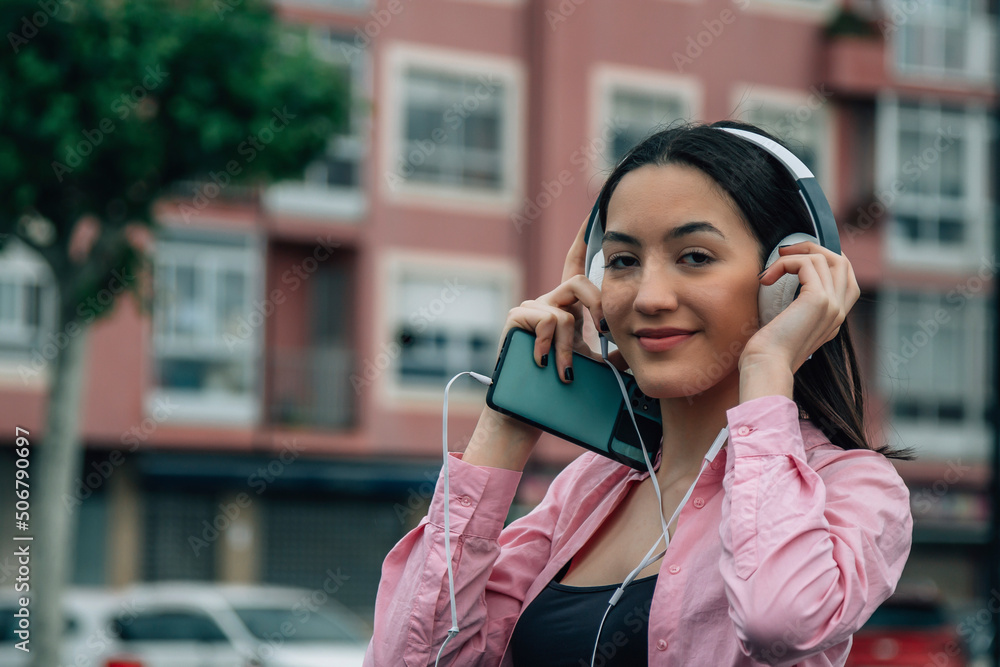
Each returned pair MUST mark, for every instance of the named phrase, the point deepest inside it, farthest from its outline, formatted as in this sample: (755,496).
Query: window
(631,103)
(637,113)
(443,315)
(206,326)
(179,626)
(802,128)
(942,38)
(445,327)
(332,185)
(932,175)
(933,371)
(28,299)
(453,129)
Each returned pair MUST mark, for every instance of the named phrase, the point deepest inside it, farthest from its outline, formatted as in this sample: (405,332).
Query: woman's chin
(659,386)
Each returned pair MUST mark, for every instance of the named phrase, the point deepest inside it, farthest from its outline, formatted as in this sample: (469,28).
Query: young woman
(793,535)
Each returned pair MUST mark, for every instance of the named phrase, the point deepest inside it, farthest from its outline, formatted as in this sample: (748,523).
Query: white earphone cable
(447,511)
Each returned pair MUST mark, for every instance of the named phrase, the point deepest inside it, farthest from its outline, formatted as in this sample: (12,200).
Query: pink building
(301,342)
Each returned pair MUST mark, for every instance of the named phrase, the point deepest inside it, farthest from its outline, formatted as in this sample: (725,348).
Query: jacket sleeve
(492,566)
(807,554)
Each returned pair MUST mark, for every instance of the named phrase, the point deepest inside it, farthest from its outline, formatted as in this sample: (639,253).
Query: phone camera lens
(635,403)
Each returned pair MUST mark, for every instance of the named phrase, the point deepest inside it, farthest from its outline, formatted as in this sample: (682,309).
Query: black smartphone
(589,411)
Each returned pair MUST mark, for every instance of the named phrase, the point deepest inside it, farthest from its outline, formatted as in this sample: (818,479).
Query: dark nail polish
(545,359)
(604,325)
(569,374)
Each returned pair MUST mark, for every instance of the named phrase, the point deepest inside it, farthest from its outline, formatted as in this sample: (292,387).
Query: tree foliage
(105,104)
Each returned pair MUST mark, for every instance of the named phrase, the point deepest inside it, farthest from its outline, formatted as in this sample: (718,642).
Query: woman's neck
(691,424)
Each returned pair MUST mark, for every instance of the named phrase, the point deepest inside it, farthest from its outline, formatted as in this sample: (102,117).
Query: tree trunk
(58,461)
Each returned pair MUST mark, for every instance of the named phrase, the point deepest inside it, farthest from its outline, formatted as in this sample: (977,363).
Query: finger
(576,258)
(820,277)
(577,289)
(554,330)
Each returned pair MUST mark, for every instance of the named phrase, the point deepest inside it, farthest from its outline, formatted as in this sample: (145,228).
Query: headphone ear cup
(772,299)
(596,276)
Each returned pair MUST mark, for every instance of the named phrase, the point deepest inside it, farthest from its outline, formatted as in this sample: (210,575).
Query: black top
(559,627)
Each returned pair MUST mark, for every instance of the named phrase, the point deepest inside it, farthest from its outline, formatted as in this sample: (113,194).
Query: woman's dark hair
(828,387)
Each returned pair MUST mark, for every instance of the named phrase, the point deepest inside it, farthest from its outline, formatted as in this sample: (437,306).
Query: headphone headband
(820,213)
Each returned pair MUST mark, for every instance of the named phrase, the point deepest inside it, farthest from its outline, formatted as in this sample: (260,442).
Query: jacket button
(465,500)
(661,645)
(743,430)
(699,502)
(674,569)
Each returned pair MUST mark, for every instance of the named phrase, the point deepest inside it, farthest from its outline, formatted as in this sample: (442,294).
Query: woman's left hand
(829,291)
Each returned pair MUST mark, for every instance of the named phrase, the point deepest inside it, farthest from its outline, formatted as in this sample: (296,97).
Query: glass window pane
(8,303)
(637,114)
(453,130)
(908,226)
(951,231)
(952,162)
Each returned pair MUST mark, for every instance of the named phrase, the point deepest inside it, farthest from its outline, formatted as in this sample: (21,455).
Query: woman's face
(680,260)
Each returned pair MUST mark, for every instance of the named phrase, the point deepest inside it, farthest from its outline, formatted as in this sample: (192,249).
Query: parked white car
(88,632)
(199,624)
(187,624)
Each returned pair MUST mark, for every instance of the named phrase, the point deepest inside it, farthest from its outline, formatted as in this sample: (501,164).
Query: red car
(909,629)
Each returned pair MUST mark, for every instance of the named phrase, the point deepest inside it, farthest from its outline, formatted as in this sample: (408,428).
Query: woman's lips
(662,343)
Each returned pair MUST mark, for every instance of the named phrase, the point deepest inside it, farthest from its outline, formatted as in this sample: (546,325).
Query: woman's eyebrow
(675,233)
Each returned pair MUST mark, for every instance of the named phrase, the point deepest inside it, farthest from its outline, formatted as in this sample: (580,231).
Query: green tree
(105,106)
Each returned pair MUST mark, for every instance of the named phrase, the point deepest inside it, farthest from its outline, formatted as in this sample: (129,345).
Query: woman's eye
(620,262)
(697,258)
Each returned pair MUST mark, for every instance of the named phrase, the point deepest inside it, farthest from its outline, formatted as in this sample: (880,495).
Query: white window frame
(968,440)
(467,398)
(792,103)
(336,6)
(810,11)
(980,38)
(393,186)
(207,407)
(610,78)
(975,206)
(309,198)
(20,265)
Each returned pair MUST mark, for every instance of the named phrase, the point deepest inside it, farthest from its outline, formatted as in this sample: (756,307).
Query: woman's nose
(657,291)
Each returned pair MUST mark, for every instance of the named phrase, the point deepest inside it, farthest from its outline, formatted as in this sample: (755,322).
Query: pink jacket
(786,547)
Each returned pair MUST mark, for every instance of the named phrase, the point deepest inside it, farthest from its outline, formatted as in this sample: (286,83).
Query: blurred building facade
(277,417)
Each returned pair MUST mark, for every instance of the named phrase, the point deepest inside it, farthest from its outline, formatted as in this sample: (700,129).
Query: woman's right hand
(557,318)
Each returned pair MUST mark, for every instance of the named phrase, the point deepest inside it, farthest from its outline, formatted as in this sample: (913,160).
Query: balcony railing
(311,387)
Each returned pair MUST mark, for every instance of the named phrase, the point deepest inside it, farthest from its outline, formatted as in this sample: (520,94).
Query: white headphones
(771,299)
